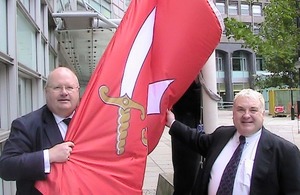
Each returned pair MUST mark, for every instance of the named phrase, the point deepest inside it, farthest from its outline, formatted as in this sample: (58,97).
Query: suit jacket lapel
(216,148)
(51,129)
(262,159)
(220,143)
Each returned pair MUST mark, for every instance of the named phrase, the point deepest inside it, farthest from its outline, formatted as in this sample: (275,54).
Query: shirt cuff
(172,123)
(46,161)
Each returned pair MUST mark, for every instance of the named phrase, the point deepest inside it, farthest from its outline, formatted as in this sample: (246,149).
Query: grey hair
(253,94)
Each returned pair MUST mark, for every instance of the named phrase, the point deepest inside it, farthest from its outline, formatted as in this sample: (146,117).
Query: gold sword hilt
(125,104)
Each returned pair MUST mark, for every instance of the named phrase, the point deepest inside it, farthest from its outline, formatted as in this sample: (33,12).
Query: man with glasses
(37,139)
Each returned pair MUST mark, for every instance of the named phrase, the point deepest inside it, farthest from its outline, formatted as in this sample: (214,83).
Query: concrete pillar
(210,106)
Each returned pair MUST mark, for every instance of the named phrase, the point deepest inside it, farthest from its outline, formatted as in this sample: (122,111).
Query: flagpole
(210,106)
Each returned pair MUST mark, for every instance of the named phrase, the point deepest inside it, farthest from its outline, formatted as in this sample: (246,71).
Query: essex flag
(155,54)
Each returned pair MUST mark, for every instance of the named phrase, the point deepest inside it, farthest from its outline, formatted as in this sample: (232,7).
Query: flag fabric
(156,52)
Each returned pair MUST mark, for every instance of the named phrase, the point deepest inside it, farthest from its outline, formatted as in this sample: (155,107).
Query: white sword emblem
(136,58)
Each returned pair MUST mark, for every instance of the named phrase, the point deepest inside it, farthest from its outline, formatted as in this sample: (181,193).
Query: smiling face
(248,113)
(62,92)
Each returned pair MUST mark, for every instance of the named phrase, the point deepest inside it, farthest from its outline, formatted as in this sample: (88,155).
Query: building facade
(30,47)
(237,66)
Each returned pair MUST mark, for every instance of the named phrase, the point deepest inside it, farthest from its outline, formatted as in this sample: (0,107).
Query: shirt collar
(250,138)
(58,119)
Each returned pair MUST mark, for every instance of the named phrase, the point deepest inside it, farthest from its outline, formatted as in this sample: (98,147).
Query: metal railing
(225,105)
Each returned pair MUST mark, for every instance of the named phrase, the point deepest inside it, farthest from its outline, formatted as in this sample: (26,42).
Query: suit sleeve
(191,137)
(290,170)
(21,158)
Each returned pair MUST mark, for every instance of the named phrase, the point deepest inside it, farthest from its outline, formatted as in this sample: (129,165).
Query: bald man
(37,139)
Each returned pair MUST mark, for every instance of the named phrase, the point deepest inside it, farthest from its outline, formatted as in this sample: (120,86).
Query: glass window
(122,5)
(51,37)
(44,95)
(127,2)
(42,54)
(51,61)
(30,7)
(236,64)
(106,5)
(232,9)
(105,12)
(259,64)
(59,6)
(26,42)
(96,5)
(1,181)
(256,29)
(42,23)
(102,7)
(221,7)
(51,5)
(239,64)
(43,62)
(221,88)
(239,61)
(245,10)
(26,4)
(3,97)
(256,10)
(25,96)
(3,28)
(219,64)
(117,12)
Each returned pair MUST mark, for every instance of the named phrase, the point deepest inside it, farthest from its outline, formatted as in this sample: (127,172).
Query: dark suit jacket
(276,168)
(22,159)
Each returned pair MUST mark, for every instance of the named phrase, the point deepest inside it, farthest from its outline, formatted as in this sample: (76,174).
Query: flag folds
(157,51)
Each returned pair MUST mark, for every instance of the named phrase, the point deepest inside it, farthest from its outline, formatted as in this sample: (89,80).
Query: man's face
(62,93)
(248,115)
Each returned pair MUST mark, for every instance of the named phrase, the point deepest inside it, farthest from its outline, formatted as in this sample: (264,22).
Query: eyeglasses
(69,89)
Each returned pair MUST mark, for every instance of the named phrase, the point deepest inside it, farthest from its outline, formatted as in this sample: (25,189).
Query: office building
(38,35)
(237,66)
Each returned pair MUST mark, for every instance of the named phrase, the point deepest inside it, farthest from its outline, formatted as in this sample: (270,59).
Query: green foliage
(278,42)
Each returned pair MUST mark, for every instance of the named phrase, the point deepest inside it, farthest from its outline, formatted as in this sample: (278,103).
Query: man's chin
(248,126)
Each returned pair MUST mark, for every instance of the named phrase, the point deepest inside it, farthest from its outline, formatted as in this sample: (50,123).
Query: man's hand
(60,152)
(170,118)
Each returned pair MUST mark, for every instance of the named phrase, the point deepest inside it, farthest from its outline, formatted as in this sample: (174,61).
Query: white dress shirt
(243,176)
(63,130)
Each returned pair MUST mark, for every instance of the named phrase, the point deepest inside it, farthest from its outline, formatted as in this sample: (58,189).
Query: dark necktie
(228,177)
(67,121)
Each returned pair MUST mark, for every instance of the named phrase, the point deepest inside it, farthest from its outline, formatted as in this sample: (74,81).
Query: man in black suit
(269,164)
(37,139)
(186,162)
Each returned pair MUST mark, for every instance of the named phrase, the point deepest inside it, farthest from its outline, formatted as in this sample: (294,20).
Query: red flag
(156,52)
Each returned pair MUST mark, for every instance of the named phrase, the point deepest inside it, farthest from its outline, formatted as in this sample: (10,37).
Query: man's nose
(247,113)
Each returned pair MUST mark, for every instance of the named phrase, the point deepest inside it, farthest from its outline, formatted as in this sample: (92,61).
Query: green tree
(277,42)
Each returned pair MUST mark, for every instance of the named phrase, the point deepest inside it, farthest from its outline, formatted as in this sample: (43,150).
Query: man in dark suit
(37,139)
(186,162)
(268,164)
